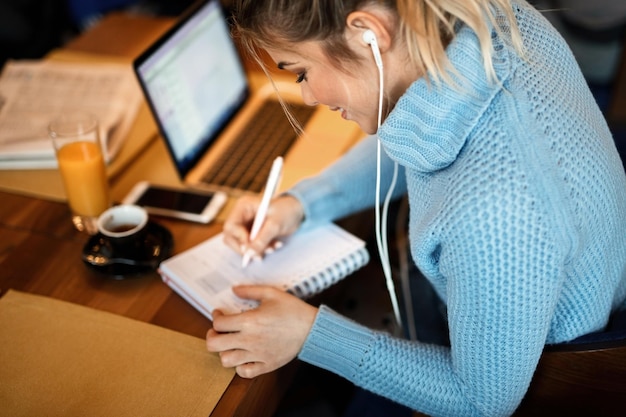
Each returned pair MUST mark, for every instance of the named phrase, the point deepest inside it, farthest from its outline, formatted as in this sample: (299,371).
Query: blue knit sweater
(517,217)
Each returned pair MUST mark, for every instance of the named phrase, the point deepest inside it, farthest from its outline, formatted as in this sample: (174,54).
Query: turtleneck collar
(431,122)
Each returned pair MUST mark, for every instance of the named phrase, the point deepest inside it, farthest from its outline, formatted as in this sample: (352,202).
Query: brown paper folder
(62,359)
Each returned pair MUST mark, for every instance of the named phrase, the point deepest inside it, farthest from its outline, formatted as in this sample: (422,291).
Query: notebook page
(208,271)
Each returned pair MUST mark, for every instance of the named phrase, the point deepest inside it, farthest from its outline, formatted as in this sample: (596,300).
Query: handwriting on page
(307,263)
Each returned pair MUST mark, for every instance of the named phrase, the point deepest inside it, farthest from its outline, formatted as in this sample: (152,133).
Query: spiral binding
(330,275)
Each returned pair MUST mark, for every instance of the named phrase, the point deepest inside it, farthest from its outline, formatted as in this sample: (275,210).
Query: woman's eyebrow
(281,65)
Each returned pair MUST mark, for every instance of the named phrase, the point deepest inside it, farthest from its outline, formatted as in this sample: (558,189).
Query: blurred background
(31,28)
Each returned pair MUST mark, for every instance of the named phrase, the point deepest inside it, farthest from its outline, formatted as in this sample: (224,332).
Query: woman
(517,195)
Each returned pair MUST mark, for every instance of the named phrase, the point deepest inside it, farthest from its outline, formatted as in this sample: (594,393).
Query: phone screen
(174,200)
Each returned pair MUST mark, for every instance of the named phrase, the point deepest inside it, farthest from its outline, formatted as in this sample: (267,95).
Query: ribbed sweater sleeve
(348,185)
(373,360)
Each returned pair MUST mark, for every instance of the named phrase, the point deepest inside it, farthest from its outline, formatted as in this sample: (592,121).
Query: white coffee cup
(123,222)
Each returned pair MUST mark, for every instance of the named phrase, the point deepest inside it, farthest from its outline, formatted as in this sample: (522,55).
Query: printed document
(32,93)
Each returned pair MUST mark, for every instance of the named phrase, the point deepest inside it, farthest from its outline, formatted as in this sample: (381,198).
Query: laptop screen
(194,82)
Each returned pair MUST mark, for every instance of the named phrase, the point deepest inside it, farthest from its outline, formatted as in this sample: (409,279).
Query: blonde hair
(426,27)
(429,25)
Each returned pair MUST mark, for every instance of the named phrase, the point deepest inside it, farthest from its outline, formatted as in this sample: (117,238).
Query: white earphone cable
(381,223)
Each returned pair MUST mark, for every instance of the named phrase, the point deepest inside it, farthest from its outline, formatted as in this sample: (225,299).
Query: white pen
(270,188)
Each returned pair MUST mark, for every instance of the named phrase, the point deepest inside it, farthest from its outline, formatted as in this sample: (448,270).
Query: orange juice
(84,176)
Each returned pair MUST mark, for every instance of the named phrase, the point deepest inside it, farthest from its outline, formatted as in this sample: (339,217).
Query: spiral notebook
(308,262)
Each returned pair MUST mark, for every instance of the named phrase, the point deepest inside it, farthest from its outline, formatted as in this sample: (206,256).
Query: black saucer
(146,255)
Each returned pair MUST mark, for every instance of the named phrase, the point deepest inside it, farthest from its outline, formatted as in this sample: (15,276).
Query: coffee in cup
(123,224)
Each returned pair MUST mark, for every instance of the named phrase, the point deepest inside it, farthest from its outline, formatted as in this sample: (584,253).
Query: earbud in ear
(370,38)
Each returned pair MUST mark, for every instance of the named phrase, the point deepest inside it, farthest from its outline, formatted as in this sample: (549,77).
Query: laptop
(218,129)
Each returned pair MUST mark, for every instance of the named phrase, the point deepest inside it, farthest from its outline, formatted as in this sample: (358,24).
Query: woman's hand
(263,339)
(284,216)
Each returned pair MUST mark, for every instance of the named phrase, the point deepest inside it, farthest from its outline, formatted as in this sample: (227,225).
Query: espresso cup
(124,225)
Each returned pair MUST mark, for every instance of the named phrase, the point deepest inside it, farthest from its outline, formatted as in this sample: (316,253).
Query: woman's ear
(360,22)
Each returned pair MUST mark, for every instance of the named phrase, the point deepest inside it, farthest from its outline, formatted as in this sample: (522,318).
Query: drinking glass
(76,140)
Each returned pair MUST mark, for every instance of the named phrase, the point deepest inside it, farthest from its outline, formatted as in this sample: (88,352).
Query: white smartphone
(193,205)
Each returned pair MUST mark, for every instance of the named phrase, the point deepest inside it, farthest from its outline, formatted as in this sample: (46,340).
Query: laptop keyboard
(247,162)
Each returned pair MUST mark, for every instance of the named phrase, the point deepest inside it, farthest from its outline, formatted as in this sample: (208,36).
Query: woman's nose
(307,95)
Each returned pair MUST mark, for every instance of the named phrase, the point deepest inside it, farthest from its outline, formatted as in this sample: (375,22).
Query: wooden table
(40,254)
(40,250)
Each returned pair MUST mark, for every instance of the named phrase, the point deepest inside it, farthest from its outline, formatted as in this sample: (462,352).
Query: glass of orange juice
(76,140)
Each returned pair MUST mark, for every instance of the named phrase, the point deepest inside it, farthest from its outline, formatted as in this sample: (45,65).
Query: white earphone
(381,218)
(370,38)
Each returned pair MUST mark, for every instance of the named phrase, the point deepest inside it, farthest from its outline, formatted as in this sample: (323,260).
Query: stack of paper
(32,93)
